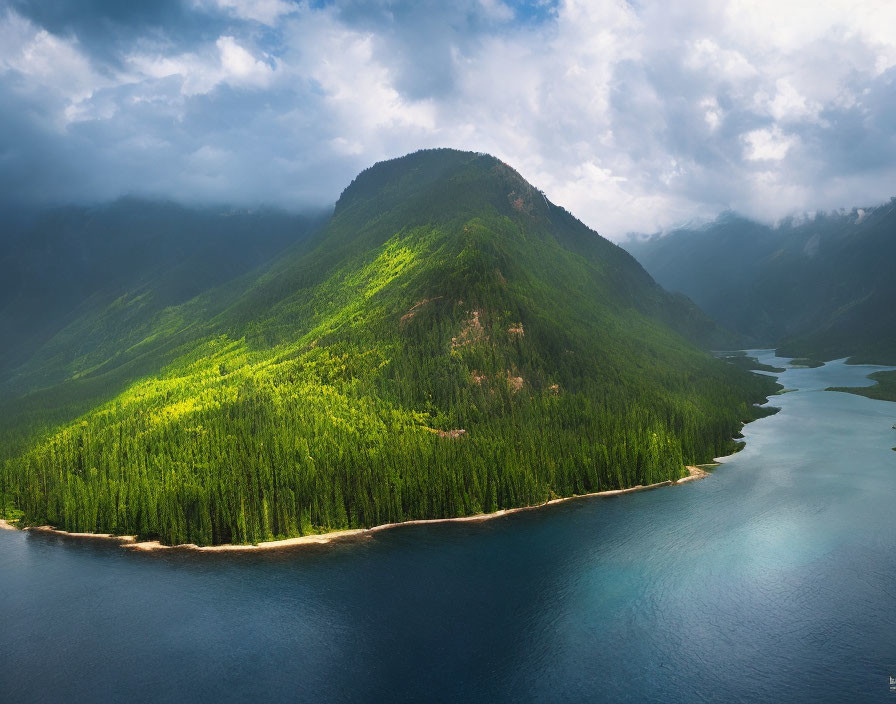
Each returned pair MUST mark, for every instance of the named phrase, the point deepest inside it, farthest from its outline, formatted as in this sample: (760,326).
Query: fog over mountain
(818,286)
(83,280)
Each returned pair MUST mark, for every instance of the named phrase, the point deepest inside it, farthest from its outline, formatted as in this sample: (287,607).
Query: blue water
(774,579)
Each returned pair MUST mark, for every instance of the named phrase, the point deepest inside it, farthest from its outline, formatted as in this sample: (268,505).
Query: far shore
(131,542)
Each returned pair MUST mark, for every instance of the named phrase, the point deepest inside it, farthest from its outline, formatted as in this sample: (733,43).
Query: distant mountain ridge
(80,277)
(450,342)
(819,287)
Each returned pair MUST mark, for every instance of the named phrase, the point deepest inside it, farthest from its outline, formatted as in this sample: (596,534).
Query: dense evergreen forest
(450,343)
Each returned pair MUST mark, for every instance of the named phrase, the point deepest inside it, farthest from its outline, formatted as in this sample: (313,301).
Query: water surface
(774,579)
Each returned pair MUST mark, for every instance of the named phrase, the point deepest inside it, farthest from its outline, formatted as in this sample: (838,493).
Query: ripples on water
(771,580)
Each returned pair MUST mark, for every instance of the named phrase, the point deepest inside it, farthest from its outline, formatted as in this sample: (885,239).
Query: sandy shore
(91,536)
(131,542)
(317,539)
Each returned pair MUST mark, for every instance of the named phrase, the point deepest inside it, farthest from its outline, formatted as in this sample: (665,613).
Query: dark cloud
(859,137)
(107,28)
(63,16)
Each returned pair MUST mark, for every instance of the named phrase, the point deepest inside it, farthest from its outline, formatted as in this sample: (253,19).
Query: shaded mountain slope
(82,284)
(822,287)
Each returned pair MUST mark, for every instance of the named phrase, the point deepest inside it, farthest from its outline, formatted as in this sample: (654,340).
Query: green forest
(449,343)
(884,389)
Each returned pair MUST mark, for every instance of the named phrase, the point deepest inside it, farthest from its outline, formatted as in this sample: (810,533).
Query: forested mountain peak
(438,185)
(475,221)
(450,342)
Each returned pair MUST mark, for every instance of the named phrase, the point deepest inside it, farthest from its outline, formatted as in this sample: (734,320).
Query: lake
(773,579)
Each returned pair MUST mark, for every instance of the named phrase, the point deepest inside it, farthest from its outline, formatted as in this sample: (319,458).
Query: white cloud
(788,104)
(354,86)
(201,72)
(767,145)
(705,54)
(49,65)
(712,113)
(239,66)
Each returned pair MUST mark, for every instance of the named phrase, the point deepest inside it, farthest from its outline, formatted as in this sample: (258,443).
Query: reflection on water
(772,579)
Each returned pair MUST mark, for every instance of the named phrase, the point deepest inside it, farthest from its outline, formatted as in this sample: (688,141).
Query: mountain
(79,279)
(821,287)
(449,343)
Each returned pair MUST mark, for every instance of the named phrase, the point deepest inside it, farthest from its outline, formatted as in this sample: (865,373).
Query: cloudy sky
(634,115)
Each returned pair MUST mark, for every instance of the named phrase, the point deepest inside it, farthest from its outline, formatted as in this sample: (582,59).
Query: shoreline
(130,542)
